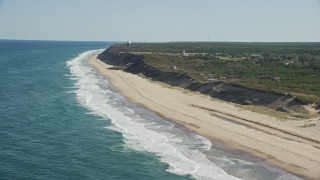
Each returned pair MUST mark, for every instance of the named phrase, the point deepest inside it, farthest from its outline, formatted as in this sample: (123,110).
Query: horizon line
(187,41)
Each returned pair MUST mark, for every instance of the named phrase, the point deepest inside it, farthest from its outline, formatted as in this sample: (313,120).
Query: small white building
(175,67)
(212,80)
(256,55)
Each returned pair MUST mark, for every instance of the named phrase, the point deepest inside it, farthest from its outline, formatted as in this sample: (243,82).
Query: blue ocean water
(60,119)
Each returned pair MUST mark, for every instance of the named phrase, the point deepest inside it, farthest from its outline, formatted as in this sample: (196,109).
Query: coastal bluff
(136,64)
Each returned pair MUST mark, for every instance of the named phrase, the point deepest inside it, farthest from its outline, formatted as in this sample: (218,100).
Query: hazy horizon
(165,21)
(124,41)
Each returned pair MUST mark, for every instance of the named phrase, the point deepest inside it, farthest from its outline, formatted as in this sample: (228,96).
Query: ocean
(60,119)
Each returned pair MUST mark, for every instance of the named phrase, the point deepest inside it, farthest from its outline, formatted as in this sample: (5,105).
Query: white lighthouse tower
(128,43)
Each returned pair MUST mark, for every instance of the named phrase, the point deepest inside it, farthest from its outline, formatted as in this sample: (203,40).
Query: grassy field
(292,68)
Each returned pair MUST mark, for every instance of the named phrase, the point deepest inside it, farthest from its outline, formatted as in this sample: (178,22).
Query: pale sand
(283,144)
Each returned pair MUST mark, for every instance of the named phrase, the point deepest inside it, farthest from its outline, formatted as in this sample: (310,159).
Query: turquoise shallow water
(61,120)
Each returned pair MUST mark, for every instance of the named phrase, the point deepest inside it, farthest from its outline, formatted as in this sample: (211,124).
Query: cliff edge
(136,64)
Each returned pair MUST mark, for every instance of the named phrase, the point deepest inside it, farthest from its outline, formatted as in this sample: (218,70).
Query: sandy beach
(285,144)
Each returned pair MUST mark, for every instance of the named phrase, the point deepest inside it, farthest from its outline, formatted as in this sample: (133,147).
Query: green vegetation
(292,68)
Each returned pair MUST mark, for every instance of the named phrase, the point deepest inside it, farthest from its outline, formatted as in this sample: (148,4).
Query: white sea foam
(183,155)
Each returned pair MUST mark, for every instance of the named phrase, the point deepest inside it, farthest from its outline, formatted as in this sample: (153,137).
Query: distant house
(183,52)
(211,75)
(200,65)
(289,62)
(256,55)
(276,78)
(175,67)
(212,80)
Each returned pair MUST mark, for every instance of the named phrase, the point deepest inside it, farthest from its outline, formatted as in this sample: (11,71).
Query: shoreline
(297,156)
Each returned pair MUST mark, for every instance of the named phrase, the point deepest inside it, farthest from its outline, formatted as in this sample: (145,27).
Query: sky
(161,20)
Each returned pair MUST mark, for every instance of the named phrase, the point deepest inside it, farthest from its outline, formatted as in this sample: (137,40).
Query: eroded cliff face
(228,92)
